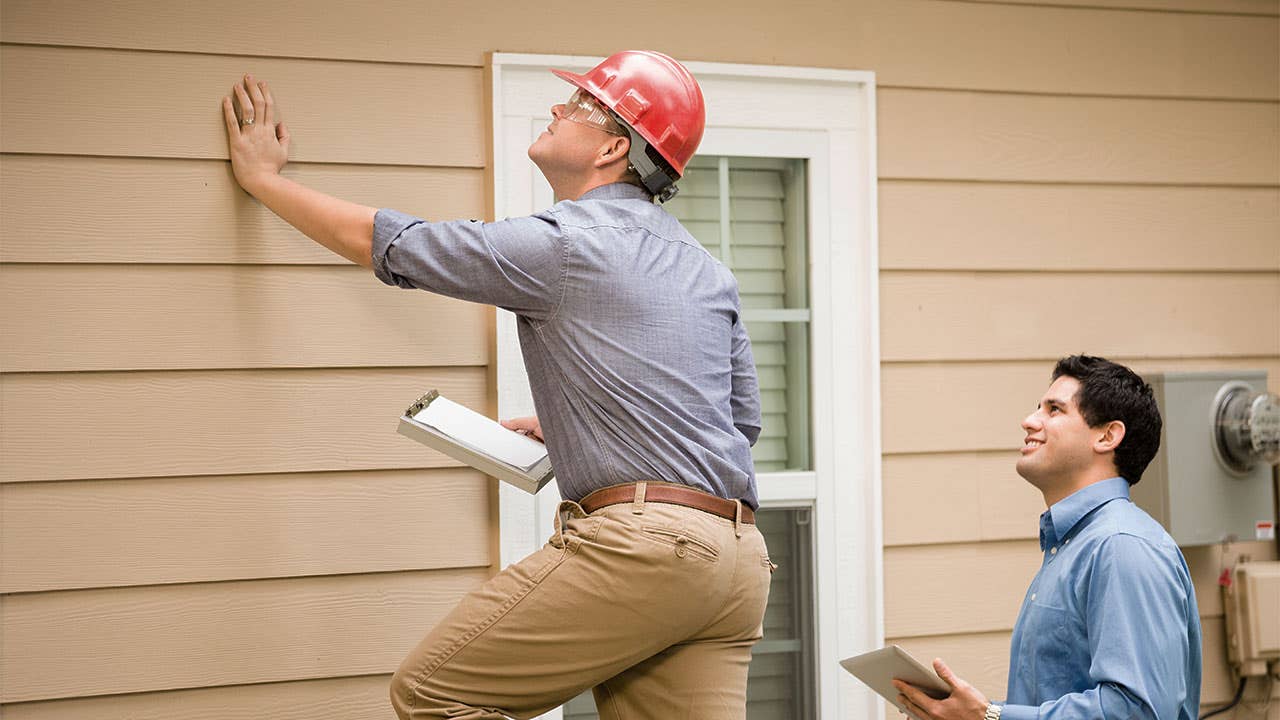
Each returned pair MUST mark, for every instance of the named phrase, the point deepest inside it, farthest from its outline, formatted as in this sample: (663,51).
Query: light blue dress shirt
(1109,627)
(632,334)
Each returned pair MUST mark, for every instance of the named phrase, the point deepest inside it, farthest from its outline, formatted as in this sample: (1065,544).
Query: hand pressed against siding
(259,145)
(964,703)
(260,148)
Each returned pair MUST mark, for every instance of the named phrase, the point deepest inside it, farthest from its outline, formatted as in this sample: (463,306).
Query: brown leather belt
(670,494)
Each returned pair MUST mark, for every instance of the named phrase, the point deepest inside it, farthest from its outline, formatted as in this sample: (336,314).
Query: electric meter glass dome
(1246,427)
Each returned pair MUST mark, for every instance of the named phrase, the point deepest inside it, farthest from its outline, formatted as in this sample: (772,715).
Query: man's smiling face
(1058,442)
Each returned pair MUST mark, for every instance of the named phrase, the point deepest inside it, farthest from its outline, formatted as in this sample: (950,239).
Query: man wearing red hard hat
(653,587)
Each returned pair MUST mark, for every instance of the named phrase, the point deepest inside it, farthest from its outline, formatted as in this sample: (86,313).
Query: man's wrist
(259,183)
(993,712)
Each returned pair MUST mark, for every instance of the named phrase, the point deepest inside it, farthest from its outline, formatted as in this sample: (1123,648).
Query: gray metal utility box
(1186,488)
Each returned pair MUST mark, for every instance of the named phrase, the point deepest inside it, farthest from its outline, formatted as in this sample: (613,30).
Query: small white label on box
(1264,530)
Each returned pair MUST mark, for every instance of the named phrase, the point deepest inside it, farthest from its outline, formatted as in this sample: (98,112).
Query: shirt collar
(1064,515)
(616,191)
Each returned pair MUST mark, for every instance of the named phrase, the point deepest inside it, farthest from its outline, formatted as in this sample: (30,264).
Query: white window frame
(828,118)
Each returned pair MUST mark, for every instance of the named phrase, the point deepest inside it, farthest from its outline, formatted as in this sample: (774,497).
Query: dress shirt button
(1053,551)
(1033,596)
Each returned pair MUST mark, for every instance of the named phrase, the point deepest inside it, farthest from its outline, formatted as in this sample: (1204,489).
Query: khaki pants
(655,606)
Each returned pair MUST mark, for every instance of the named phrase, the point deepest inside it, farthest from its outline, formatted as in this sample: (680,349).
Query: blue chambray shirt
(1109,627)
(638,359)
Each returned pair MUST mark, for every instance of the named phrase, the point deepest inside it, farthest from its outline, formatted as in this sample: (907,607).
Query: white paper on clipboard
(469,437)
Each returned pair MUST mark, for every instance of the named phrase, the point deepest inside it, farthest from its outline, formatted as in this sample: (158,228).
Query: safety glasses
(584,109)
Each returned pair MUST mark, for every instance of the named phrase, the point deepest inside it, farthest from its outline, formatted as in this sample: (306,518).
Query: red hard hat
(655,95)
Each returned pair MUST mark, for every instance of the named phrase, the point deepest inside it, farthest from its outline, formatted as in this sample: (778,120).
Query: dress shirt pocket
(1049,647)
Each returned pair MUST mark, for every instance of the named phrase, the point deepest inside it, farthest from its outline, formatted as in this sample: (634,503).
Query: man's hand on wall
(525,426)
(259,146)
(964,703)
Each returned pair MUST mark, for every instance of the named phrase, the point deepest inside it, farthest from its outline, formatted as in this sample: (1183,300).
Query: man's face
(1058,443)
(570,144)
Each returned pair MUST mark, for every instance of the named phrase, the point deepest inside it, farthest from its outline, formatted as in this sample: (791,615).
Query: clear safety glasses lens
(586,110)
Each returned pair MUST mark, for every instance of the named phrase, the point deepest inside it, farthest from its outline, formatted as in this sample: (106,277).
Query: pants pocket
(684,543)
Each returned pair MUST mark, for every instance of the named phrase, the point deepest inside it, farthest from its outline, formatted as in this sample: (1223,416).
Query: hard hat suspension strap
(658,178)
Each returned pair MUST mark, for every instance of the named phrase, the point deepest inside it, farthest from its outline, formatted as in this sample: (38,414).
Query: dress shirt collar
(615,191)
(1064,515)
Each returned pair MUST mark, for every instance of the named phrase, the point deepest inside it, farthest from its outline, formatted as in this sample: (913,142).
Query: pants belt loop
(737,518)
(562,518)
(637,505)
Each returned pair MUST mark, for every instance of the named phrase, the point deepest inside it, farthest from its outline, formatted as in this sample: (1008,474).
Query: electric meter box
(1191,487)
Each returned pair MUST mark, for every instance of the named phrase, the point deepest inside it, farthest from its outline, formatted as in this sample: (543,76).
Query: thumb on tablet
(945,673)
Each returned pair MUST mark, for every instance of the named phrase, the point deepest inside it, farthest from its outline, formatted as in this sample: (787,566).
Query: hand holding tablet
(879,668)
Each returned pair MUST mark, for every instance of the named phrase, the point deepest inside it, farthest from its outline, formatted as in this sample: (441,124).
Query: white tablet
(878,668)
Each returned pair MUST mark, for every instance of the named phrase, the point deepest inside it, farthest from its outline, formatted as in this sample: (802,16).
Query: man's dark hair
(1110,391)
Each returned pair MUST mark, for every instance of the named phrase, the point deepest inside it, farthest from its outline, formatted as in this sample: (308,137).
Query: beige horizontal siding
(1244,7)
(114,317)
(958,509)
(138,424)
(73,209)
(983,403)
(981,316)
(978,496)
(353,698)
(113,102)
(183,636)
(957,497)
(933,587)
(1055,158)
(907,42)
(1001,226)
(926,134)
(67,535)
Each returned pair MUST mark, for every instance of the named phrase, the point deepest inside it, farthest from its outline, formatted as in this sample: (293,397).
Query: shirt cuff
(388,226)
(1019,712)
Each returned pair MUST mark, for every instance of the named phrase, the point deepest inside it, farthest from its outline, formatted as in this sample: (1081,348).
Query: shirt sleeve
(1137,609)
(517,264)
(745,401)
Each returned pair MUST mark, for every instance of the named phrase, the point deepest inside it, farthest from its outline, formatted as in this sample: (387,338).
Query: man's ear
(1108,437)
(615,149)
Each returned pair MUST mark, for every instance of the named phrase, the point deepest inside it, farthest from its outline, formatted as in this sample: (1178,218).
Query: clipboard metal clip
(421,403)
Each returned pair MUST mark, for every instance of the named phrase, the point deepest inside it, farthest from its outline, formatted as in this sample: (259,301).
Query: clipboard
(471,438)
(878,668)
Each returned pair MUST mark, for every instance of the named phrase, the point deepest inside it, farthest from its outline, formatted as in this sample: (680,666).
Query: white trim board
(828,118)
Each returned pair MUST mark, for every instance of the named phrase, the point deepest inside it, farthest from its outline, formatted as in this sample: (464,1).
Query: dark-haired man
(1109,627)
